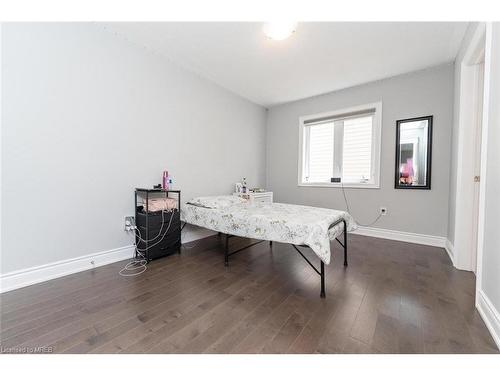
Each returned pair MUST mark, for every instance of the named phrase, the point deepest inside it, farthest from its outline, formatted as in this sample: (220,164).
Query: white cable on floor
(132,266)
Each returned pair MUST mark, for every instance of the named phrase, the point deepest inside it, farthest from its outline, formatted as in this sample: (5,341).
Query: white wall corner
(490,315)
(450,250)
(193,233)
(34,275)
(467,58)
(421,239)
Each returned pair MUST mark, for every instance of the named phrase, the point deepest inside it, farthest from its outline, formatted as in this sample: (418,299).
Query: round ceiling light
(279,30)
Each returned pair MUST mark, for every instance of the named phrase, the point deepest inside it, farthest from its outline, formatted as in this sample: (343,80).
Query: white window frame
(376,145)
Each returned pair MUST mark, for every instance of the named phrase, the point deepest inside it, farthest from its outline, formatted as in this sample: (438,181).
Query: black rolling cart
(149,225)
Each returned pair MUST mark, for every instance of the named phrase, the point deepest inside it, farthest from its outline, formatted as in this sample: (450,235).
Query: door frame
(484,153)
(466,157)
(477,131)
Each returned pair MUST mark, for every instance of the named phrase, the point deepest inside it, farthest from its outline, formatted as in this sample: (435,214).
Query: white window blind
(343,144)
(357,152)
(319,153)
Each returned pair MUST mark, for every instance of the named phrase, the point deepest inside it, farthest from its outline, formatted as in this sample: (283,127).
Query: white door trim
(484,159)
(462,241)
(477,131)
(486,309)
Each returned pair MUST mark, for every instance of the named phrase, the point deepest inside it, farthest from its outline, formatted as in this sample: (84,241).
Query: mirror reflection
(413,153)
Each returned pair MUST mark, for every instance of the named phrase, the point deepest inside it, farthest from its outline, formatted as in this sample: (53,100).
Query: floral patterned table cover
(288,223)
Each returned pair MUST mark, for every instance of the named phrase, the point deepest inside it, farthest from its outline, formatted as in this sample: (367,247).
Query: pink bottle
(165,180)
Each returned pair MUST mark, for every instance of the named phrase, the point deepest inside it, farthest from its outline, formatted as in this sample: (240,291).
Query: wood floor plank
(177,313)
(116,325)
(167,325)
(172,345)
(198,335)
(152,310)
(178,307)
(73,313)
(266,331)
(148,343)
(367,315)
(385,337)
(112,337)
(292,327)
(232,337)
(102,320)
(308,339)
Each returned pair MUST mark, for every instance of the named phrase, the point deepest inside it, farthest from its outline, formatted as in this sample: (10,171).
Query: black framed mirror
(413,153)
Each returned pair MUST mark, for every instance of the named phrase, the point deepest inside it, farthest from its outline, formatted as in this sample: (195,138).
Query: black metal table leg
(322,295)
(345,244)
(320,272)
(226,251)
(147,227)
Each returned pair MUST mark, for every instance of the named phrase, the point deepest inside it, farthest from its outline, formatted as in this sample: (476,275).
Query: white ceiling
(318,58)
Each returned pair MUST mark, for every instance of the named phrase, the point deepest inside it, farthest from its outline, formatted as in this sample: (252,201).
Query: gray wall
(88,116)
(428,92)
(491,247)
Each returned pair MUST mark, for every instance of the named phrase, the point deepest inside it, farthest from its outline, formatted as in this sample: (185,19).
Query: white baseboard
(34,275)
(490,315)
(422,239)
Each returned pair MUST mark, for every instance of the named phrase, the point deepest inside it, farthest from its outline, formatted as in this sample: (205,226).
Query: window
(342,144)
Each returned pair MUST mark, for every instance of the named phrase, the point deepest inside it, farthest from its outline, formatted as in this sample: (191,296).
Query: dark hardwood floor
(394,297)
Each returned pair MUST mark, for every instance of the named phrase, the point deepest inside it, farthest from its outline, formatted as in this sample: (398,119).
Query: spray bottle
(165,180)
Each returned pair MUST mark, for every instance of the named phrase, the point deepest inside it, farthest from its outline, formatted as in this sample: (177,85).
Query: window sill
(337,185)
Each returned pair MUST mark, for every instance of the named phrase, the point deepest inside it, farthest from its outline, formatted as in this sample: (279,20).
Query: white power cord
(349,210)
(139,266)
(131,267)
(152,239)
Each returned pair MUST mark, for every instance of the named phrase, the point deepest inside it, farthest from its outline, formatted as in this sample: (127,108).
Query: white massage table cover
(288,223)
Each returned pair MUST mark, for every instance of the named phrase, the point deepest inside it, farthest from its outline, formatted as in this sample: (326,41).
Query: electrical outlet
(383,211)
(129,223)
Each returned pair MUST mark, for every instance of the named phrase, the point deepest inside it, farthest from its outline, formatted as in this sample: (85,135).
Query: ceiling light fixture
(279,30)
